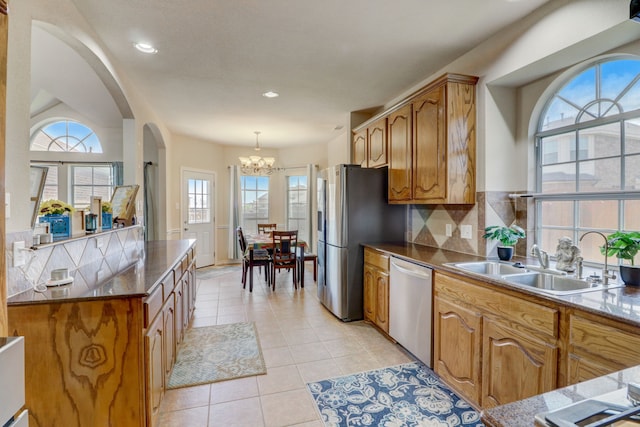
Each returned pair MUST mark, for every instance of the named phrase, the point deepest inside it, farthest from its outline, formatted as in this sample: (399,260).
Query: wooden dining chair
(253,258)
(266,228)
(284,254)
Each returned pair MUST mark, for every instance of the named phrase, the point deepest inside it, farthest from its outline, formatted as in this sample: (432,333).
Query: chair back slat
(241,240)
(284,246)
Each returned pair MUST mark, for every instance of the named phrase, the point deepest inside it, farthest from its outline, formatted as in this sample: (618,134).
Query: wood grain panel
(4,27)
(400,141)
(461,140)
(429,156)
(583,369)
(458,348)
(369,293)
(378,259)
(382,300)
(83,362)
(377,141)
(515,366)
(537,318)
(359,154)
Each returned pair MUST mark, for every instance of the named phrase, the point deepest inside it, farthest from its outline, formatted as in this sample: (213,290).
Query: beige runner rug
(217,353)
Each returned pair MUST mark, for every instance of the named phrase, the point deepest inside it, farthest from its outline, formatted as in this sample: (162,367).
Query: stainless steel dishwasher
(410,307)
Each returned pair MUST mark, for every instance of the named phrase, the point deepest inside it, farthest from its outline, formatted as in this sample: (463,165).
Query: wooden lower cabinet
(103,361)
(493,347)
(599,346)
(515,365)
(457,355)
(376,288)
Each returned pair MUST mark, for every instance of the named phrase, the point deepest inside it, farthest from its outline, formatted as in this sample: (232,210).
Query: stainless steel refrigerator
(352,209)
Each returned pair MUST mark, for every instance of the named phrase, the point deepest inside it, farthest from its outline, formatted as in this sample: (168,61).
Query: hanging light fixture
(256,165)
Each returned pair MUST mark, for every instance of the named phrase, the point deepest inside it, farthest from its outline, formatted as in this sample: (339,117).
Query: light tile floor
(301,342)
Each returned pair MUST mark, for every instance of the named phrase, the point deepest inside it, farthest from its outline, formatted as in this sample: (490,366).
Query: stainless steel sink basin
(532,277)
(492,268)
(555,284)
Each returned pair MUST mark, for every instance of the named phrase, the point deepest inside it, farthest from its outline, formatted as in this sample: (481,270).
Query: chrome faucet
(606,275)
(543,257)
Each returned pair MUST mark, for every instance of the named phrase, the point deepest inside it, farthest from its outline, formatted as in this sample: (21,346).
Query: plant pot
(630,275)
(505,253)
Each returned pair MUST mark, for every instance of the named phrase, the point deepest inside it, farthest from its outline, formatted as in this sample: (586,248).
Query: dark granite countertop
(138,280)
(622,304)
(523,412)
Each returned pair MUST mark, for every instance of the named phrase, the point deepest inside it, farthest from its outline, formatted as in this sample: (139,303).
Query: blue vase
(107,219)
(59,225)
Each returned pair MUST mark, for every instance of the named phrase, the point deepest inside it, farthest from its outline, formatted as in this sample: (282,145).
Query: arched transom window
(66,136)
(588,157)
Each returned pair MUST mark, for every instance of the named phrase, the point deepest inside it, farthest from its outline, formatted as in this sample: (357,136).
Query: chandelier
(256,165)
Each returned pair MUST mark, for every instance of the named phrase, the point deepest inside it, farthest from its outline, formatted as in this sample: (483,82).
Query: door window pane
(199,206)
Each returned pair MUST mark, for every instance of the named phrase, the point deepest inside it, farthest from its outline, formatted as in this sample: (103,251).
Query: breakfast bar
(100,353)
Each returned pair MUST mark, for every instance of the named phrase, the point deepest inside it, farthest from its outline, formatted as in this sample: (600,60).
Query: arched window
(66,136)
(588,157)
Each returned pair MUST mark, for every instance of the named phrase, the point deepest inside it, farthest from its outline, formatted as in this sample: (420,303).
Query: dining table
(265,241)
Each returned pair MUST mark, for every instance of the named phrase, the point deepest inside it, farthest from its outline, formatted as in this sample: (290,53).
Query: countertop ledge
(138,280)
(621,304)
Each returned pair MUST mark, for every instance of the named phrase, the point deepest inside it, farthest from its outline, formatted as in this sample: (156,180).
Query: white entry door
(197,213)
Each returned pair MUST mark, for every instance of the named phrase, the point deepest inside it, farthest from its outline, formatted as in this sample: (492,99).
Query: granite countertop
(522,413)
(137,280)
(622,304)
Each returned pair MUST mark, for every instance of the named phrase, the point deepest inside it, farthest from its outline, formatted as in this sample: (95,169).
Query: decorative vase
(59,225)
(107,218)
(630,275)
(505,253)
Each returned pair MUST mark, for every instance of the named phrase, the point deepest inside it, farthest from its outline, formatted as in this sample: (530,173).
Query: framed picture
(123,203)
(37,178)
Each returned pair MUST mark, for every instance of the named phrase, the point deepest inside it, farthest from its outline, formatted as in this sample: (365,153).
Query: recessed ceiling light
(271,94)
(145,48)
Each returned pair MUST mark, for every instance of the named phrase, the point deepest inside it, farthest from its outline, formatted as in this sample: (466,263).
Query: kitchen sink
(493,268)
(532,277)
(554,284)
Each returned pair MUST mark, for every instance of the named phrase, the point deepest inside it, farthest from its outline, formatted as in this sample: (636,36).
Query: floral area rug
(400,396)
(216,353)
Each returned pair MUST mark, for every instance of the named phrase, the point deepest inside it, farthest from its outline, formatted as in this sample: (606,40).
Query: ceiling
(325,58)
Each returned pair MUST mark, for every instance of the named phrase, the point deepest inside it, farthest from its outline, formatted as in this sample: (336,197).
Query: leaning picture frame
(123,203)
(37,179)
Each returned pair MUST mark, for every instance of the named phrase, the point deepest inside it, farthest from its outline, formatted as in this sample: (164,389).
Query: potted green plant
(507,236)
(625,245)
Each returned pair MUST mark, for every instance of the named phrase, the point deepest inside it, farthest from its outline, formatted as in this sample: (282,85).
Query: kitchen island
(99,352)
(496,343)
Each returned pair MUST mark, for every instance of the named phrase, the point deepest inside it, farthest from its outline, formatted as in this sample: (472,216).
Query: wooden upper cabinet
(430,157)
(444,142)
(359,154)
(400,140)
(377,142)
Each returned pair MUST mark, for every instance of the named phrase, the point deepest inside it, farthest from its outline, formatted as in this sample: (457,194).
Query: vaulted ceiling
(325,58)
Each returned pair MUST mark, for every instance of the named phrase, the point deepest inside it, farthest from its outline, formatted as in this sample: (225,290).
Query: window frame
(73,185)
(576,197)
(251,226)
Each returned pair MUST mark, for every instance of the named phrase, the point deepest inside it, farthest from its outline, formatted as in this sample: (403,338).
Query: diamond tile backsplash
(90,259)
(428,223)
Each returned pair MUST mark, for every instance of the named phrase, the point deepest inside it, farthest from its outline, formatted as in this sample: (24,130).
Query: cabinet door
(359,153)
(179,292)
(382,300)
(515,365)
(457,347)
(582,368)
(369,293)
(169,342)
(429,147)
(154,369)
(377,141)
(400,139)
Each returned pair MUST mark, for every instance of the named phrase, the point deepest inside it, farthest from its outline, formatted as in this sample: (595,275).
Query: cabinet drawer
(494,303)
(605,341)
(152,305)
(376,258)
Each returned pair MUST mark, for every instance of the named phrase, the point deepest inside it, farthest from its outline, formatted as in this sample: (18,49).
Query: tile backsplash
(428,223)
(90,259)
